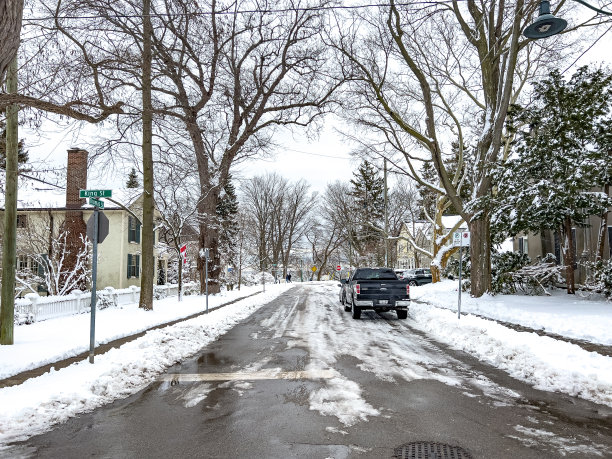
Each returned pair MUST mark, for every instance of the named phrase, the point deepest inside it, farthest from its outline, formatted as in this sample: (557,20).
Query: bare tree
(11,12)
(235,78)
(44,257)
(423,78)
(327,231)
(279,216)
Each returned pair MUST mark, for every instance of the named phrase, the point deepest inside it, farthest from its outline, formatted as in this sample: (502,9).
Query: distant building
(422,233)
(42,208)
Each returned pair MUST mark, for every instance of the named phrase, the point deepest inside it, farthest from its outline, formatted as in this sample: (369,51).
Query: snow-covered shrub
(537,278)
(600,277)
(107,298)
(253,278)
(452,267)
(160,291)
(503,265)
(192,288)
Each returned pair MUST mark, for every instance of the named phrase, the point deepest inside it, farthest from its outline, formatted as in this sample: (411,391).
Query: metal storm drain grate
(430,450)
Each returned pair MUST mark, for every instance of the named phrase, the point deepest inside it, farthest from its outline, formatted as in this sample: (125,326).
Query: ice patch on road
(342,398)
(196,394)
(562,445)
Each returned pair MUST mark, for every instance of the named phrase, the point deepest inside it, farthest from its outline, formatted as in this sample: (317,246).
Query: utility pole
(9,254)
(386,217)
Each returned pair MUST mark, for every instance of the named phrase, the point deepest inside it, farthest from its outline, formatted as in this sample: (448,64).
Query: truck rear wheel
(355,311)
(402,314)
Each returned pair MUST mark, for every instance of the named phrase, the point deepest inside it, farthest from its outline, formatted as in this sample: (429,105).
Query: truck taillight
(407,289)
(357,289)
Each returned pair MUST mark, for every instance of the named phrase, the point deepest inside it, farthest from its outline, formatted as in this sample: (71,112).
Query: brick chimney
(76,177)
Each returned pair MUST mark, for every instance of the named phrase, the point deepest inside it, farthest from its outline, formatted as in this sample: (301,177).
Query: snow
(568,315)
(546,363)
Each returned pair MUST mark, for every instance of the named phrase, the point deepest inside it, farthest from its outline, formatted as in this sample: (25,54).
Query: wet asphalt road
(194,415)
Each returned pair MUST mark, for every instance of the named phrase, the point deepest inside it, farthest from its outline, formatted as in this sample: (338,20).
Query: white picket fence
(34,308)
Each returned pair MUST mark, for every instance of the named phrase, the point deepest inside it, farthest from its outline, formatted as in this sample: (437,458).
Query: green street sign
(96,202)
(95,193)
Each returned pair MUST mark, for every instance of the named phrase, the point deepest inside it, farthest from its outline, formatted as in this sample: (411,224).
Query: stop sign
(338,268)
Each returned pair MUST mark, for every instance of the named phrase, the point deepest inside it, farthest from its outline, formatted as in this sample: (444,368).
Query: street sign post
(206,255)
(94,269)
(460,239)
(95,193)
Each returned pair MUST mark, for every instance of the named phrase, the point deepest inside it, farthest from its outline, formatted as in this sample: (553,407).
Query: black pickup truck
(375,288)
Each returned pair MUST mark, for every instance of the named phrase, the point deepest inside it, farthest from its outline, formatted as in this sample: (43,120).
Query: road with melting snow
(301,378)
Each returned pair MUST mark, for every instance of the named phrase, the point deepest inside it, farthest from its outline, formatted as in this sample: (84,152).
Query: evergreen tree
(22,154)
(227,214)
(132,181)
(428,198)
(367,192)
(560,162)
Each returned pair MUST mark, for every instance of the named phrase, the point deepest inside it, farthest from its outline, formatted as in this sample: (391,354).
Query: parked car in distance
(418,276)
(375,288)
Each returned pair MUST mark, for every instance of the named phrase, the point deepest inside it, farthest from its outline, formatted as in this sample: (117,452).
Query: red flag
(183,250)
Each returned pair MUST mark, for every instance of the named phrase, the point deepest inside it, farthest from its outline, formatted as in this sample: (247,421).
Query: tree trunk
(209,239)
(568,255)
(9,254)
(11,12)
(148,259)
(601,237)
(480,256)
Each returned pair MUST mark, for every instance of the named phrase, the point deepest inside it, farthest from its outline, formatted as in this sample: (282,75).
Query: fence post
(79,296)
(33,297)
(134,288)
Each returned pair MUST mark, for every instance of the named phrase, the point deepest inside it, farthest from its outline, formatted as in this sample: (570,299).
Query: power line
(261,11)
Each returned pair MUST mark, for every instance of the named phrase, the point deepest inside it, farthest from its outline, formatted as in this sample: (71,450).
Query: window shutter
(129,265)
(137,233)
(129,228)
(137,267)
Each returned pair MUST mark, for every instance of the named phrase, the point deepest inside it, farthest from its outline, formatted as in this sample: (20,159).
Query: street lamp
(548,24)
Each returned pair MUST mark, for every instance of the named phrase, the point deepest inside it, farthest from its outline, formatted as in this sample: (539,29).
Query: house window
(34,266)
(22,221)
(133,265)
(523,245)
(133,230)
(22,263)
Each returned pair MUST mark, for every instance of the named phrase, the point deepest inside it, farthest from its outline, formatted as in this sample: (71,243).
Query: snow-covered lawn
(567,315)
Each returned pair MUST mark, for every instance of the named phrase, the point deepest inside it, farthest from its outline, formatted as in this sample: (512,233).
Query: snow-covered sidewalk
(30,408)
(53,340)
(567,315)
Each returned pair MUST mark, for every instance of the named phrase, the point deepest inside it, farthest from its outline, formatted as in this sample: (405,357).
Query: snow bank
(560,313)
